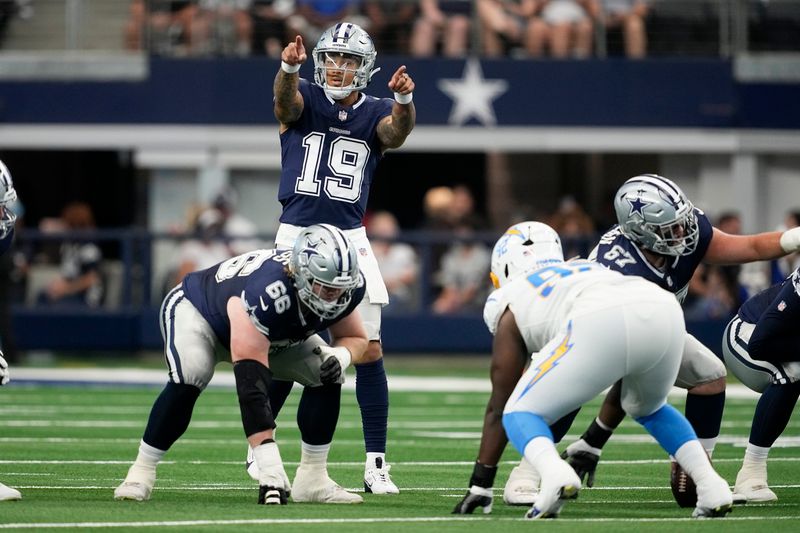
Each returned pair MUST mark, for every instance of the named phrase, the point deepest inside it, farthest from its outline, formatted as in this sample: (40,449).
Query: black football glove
(584,463)
(475,497)
(330,371)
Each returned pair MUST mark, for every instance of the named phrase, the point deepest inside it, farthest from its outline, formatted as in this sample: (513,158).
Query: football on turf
(683,488)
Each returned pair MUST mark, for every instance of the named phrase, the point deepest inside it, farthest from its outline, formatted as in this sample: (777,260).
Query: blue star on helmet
(637,204)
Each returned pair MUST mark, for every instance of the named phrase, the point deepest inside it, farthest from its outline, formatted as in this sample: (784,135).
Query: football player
(261,311)
(8,195)
(662,238)
(332,138)
(760,347)
(586,327)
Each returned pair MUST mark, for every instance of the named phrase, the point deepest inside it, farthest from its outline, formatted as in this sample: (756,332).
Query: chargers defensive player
(761,346)
(587,327)
(261,311)
(332,138)
(8,195)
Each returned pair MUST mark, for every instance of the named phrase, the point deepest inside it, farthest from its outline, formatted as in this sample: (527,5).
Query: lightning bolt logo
(552,361)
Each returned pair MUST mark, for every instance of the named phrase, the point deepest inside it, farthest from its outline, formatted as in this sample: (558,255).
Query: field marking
(278,521)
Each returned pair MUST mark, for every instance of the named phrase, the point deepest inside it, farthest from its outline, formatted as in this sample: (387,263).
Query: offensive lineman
(261,311)
(587,327)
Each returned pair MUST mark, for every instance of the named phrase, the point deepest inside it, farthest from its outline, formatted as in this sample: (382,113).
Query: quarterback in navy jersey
(262,311)
(332,138)
(662,237)
(761,347)
(8,195)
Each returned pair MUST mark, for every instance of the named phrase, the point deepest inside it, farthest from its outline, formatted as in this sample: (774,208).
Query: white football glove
(4,378)
(335,360)
(790,240)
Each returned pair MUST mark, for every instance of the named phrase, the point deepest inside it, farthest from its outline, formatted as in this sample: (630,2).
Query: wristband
(342,354)
(289,69)
(790,240)
(483,476)
(403,98)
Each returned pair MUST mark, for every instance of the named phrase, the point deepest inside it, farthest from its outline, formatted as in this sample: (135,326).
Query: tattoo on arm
(393,130)
(288,101)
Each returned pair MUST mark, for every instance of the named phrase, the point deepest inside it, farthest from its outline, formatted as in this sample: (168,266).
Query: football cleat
(377,479)
(138,485)
(314,485)
(522,486)
(751,485)
(683,488)
(714,498)
(7,493)
(716,512)
(272,496)
(559,484)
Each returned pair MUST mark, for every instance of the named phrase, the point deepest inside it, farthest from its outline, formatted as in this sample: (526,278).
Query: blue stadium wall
(665,93)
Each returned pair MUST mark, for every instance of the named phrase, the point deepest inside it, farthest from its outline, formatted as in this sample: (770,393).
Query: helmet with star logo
(324,265)
(346,49)
(653,212)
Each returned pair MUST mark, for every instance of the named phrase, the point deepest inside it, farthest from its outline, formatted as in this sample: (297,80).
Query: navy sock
(704,413)
(773,411)
(278,392)
(318,413)
(170,415)
(372,393)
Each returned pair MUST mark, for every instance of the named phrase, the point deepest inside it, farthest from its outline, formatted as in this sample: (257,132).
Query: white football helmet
(324,265)
(654,212)
(522,248)
(7,197)
(351,42)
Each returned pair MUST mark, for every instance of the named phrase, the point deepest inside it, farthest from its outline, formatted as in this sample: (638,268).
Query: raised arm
(288,103)
(393,130)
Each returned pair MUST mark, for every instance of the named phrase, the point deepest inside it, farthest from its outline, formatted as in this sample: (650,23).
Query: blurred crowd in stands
(455,28)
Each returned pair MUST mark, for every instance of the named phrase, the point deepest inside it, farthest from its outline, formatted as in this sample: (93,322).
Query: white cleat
(8,494)
(315,486)
(522,486)
(751,485)
(559,484)
(714,498)
(138,485)
(377,479)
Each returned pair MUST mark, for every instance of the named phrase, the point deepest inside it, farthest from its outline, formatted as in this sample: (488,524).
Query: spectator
(223,27)
(168,23)
(397,261)
(313,17)
(445,20)
(570,27)
(239,229)
(784,266)
(462,209)
(437,205)
(506,23)
(574,226)
(464,275)
(390,23)
(79,281)
(269,26)
(205,249)
(628,15)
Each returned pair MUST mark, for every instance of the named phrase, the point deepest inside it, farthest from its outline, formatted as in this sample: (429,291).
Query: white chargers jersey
(543,299)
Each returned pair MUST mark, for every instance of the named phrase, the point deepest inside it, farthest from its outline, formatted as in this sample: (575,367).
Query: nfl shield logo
(342,115)
(781,306)
(363,251)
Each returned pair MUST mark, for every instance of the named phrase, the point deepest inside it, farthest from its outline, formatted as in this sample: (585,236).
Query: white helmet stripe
(342,245)
(659,182)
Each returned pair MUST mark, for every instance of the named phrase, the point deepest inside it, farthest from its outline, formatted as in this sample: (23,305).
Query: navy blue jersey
(5,242)
(328,159)
(619,253)
(267,291)
(776,314)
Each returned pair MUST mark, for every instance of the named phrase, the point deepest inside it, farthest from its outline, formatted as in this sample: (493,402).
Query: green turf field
(67,447)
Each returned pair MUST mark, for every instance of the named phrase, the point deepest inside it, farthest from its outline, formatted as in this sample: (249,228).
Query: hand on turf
(583,462)
(3,370)
(475,497)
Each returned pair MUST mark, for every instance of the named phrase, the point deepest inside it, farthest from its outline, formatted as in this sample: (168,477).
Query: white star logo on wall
(472,95)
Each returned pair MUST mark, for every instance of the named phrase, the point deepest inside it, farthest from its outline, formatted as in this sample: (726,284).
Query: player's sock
(148,456)
(669,428)
(704,413)
(318,413)
(314,456)
(170,415)
(773,411)
(372,393)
